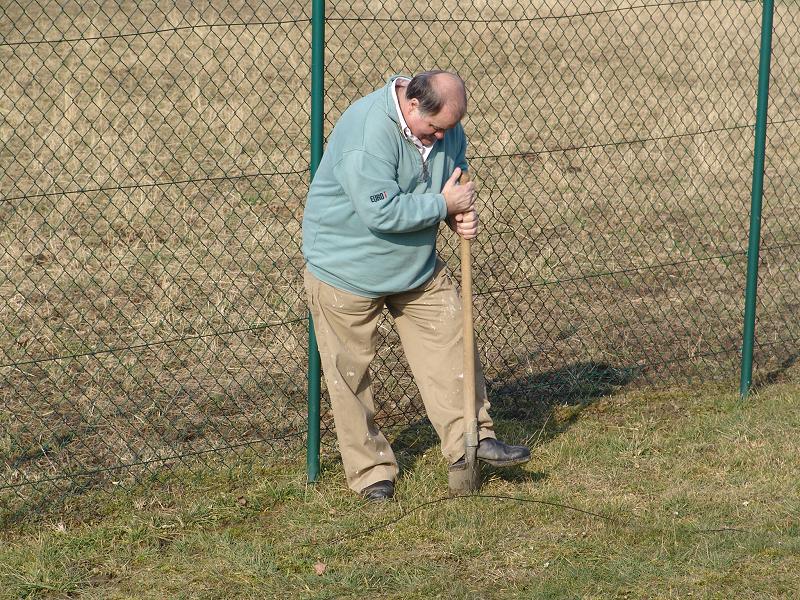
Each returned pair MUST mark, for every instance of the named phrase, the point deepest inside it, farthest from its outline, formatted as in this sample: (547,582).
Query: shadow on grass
(776,375)
(523,409)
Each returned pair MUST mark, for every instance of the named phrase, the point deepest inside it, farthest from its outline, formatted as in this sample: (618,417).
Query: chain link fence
(153,169)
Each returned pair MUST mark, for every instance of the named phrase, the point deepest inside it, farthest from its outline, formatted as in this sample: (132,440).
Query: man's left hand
(464,224)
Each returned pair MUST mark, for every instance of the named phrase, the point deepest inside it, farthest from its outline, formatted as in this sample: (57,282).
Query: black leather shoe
(499,454)
(378,492)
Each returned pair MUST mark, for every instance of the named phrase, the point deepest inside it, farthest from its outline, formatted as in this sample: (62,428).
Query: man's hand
(459,198)
(465,224)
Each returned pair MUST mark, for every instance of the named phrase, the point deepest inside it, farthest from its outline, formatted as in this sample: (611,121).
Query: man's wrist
(443,212)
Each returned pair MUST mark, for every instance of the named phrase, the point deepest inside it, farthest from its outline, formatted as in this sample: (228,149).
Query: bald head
(435,90)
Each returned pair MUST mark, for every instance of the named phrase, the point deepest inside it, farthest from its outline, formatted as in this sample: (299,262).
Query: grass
(689,493)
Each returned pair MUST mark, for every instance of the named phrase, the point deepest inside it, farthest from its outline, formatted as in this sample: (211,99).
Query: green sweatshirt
(374,208)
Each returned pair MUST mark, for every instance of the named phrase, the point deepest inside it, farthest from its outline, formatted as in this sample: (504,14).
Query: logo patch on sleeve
(379,197)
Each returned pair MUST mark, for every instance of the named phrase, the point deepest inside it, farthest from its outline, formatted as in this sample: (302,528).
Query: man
(388,177)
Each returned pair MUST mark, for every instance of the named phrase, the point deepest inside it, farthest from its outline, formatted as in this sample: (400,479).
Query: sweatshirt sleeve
(369,182)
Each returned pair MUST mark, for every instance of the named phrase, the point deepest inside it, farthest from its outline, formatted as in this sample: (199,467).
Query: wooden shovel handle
(470,413)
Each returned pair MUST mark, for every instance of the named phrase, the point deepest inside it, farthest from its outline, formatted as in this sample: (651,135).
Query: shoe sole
(505,463)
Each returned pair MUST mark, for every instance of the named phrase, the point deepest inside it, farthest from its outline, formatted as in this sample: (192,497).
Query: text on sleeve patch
(379,197)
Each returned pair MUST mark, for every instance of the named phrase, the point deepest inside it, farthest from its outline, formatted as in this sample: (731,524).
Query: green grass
(680,494)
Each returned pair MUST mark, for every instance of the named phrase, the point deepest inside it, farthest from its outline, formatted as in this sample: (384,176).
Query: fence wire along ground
(155,161)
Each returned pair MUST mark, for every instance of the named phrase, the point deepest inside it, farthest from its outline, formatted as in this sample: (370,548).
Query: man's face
(429,128)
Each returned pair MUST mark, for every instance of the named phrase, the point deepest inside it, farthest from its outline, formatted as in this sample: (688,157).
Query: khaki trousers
(429,322)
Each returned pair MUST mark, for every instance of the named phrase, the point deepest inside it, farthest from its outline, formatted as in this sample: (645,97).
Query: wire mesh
(778,308)
(613,144)
(154,165)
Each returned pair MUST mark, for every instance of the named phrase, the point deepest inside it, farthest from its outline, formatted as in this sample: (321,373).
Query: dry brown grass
(597,253)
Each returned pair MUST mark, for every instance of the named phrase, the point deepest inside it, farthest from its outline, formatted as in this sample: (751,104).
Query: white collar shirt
(423,150)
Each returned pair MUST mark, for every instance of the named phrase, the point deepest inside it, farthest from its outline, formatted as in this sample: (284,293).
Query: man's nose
(439,135)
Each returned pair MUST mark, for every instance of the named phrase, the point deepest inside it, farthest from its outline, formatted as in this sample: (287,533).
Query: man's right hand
(459,198)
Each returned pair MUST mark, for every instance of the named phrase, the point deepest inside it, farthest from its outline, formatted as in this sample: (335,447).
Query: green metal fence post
(755,204)
(317,100)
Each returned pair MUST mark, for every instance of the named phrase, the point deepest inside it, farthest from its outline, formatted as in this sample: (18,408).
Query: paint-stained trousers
(429,322)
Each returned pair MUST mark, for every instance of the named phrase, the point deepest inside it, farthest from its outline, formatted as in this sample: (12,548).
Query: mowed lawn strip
(645,494)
